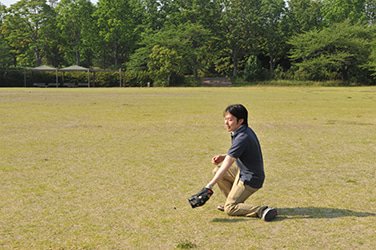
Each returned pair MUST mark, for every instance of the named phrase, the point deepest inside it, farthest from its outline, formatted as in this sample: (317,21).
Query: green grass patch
(184,244)
(113,168)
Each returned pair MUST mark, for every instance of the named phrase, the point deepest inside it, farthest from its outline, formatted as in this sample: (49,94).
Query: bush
(280,74)
(134,78)
(77,77)
(107,79)
(17,78)
(12,79)
(191,82)
(253,69)
(177,79)
(160,80)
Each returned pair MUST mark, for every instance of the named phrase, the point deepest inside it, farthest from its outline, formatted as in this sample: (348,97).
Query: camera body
(200,198)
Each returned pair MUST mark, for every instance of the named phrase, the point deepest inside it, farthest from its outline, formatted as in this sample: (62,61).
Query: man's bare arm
(227,162)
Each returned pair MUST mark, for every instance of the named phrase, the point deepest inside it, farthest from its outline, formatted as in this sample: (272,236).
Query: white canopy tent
(70,68)
(77,68)
(44,68)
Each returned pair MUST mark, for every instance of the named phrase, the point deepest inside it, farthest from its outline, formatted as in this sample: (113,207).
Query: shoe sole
(221,208)
(270,215)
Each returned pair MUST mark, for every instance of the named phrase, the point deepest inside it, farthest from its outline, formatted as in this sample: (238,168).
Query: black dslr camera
(200,198)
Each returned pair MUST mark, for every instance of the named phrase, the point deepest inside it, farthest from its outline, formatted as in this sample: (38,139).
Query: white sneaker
(221,208)
(269,214)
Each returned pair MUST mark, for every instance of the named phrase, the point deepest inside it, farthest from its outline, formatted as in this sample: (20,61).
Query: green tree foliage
(253,69)
(198,22)
(327,39)
(6,57)
(205,13)
(117,30)
(163,63)
(304,15)
(339,52)
(337,11)
(273,30)
(372,62)
(76,25)
(240,30)
(194,39)
(23,29)
(152,15)
(190,41)
(53,49)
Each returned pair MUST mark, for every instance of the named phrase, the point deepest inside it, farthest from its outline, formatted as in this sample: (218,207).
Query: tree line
(165,40)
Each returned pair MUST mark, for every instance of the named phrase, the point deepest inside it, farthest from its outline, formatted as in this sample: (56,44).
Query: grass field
(113,168)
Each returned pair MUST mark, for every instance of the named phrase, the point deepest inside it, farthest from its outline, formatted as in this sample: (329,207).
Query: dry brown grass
(113,168)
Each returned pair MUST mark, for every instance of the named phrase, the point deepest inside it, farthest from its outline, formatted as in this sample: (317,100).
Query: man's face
(232,123)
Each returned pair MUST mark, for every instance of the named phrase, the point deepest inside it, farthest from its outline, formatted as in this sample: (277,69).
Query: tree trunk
(271,64)
(235,61)
(38,60)
(195,73)
(168,79)
(77,57)
(116,54)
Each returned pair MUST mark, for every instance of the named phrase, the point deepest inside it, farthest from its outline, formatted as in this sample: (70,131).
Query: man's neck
(233,133)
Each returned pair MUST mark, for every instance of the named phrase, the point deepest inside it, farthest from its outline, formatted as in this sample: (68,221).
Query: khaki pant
(236,192)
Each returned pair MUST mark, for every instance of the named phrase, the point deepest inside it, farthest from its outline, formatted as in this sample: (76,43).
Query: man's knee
(230,209)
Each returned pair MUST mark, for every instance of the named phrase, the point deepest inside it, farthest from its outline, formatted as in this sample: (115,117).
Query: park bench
(83,84)
(69,84)
(39,84)
(53,84)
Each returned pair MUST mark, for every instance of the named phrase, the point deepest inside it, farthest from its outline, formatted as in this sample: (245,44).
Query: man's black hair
(239,111)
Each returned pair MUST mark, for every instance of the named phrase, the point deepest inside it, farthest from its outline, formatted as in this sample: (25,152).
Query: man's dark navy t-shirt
(246,149)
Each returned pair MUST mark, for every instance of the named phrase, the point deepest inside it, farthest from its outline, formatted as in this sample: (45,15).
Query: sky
(9,2)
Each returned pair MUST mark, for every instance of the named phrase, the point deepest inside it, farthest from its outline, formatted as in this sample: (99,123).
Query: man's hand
(201,197)
(216,160)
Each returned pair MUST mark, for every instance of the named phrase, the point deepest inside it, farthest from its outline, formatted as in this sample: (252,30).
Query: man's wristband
(210,186)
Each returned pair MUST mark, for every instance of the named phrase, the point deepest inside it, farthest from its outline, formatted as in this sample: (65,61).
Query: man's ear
(241,121)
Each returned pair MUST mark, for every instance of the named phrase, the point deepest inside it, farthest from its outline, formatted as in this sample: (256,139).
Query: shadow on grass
(230,219)
(317,213)
(303,213)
